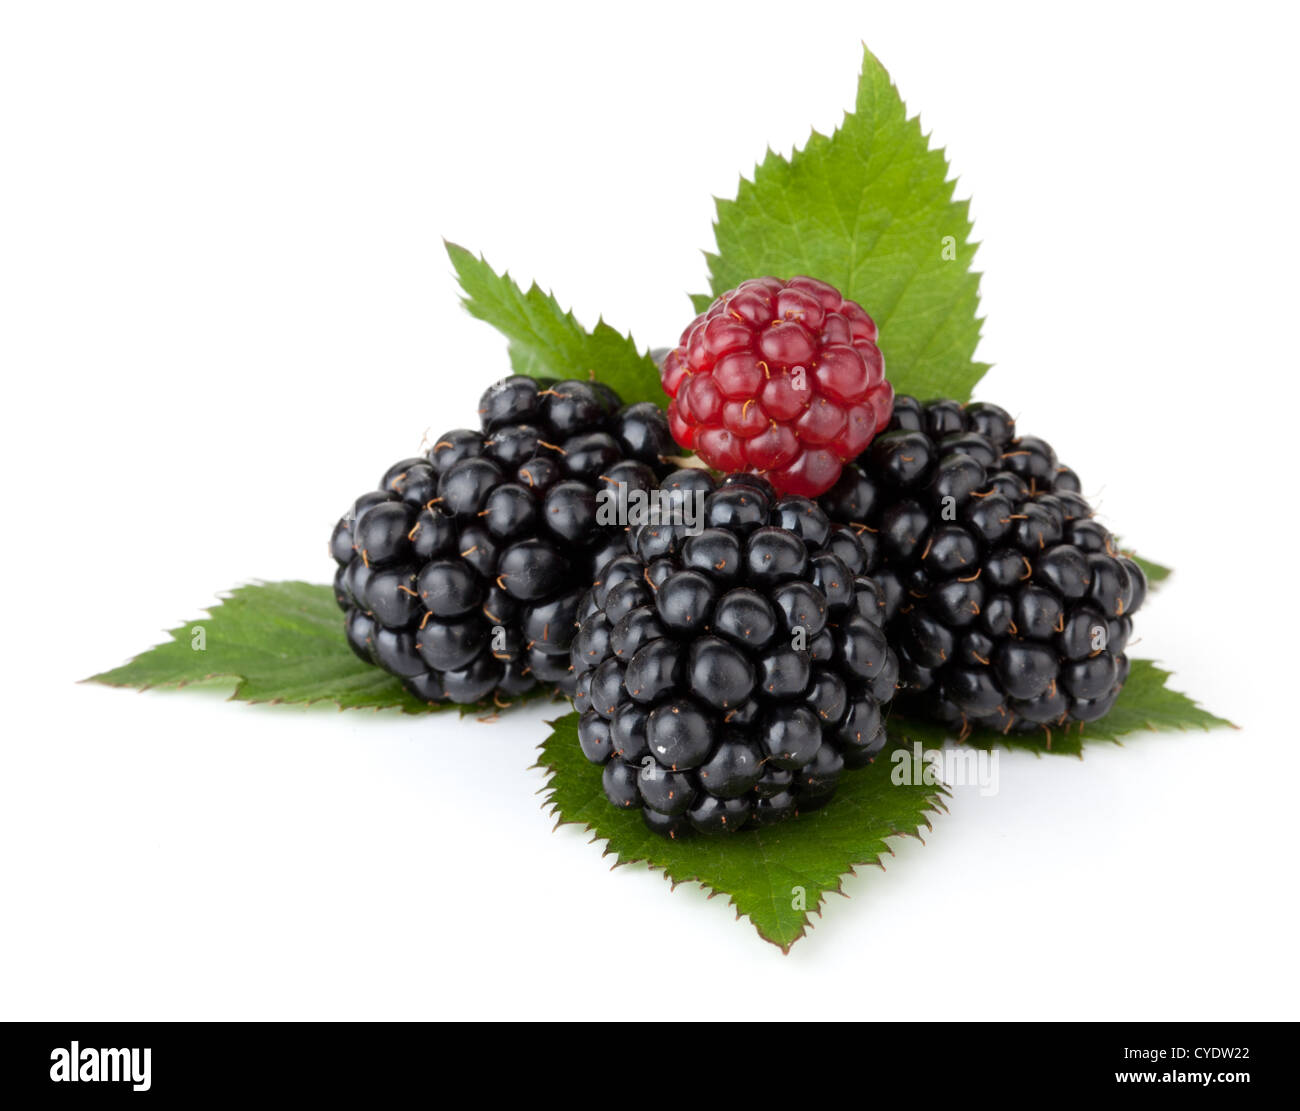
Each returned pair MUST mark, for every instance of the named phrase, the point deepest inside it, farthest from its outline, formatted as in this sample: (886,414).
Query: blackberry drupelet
(1009,606)
(732,663)
(462,573)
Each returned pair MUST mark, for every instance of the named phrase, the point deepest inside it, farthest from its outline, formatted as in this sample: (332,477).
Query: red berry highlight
(780,378)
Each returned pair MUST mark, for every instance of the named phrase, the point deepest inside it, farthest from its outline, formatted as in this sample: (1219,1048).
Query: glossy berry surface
(1008,604)
(463,572)
(732,663)
(783,379)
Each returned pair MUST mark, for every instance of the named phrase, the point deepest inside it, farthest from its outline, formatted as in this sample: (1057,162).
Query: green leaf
(760,870)
(1156,573)
(1146,704)
(869,209)
(546,341)
(278,642)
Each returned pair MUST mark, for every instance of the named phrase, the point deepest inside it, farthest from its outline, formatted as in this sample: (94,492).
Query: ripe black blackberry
(1009,606)
(462,573)
(731,664)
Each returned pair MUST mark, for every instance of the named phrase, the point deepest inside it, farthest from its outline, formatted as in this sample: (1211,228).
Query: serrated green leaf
(1146,704)
(869,209)
(547,342)
(761,871)
(278,642)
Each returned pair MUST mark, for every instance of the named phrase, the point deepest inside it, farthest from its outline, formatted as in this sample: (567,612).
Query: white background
(225,309)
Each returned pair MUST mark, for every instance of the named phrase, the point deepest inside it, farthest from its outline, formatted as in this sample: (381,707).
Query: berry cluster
(780,378)
(463,572)
(732,662)
(731,644)
(1009,606)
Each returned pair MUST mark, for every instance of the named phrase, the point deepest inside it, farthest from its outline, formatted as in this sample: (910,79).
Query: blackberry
(732,662)
(463,572)
(1008,604)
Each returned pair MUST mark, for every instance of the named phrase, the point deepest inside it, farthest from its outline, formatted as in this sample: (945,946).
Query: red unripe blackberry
(780,378)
